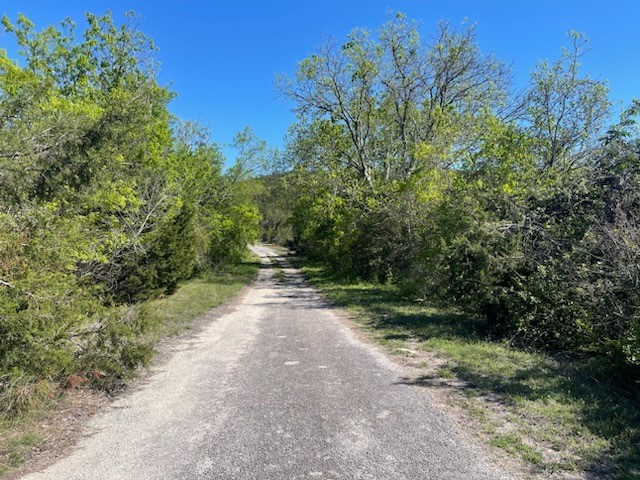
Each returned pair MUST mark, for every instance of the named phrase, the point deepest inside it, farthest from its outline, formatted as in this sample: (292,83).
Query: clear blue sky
(221,56)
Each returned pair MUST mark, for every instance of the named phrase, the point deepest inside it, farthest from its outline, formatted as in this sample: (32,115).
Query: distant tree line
(106,200)
(414,161)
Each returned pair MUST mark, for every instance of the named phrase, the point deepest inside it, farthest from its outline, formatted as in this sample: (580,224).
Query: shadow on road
(606,405)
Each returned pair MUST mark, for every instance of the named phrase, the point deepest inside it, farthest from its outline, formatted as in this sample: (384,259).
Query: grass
(173,314)
(20,437)
(168,316)
(559,414)
(280,275)
(15,449)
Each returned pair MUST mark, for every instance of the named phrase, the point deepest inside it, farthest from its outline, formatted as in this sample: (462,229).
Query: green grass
(15,443)
(20,444)
(557,413)
(173,314)
(280,275)
(168,316)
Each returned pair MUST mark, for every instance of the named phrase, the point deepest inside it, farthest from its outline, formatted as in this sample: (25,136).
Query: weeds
(20,393)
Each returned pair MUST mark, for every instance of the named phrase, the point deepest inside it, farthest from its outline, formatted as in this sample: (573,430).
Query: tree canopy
(415,161)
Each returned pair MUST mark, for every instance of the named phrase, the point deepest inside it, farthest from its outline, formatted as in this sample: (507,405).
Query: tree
(412,163)
(396,98)
(380,120)
(339,83)
(566,111)
(106,201)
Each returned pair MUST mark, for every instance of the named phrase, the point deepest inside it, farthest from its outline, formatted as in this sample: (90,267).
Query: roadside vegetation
(119,223)
(21,436)
(175,313)
(420,181)
(415,163)
(559,413)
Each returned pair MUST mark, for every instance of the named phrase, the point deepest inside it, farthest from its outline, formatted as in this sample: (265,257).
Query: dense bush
(412,163)
(106,200)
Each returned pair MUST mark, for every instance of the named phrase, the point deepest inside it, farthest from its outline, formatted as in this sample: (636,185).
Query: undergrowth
(25,401)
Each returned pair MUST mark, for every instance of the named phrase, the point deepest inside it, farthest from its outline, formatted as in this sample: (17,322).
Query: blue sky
(221,57)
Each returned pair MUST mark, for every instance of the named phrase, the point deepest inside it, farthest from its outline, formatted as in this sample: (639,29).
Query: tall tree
(395,98)
(566,110)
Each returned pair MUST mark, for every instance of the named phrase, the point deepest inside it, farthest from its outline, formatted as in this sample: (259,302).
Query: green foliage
(105,201)
(234,222)
(168,256)
(232,231)
(412,164)
(275,206)
(565,108)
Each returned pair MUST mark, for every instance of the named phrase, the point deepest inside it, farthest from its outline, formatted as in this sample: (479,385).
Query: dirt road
(277,389)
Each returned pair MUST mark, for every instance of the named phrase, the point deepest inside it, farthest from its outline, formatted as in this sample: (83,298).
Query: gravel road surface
(279,388)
